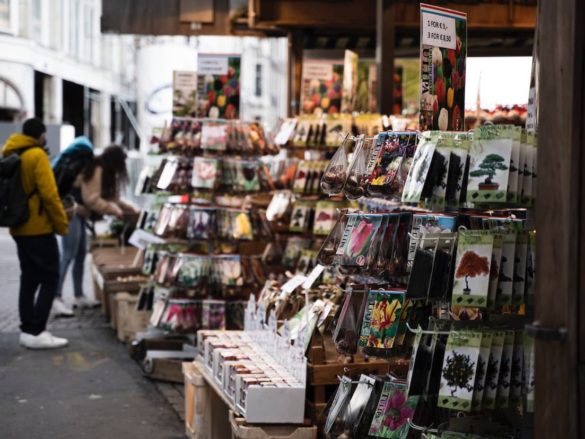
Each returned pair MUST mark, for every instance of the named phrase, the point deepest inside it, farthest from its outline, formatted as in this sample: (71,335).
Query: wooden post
(385,39)
(295,44)
(560,220)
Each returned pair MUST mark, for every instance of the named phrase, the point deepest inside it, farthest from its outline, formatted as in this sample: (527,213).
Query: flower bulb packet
(359,242)
(393,411)
(381,321)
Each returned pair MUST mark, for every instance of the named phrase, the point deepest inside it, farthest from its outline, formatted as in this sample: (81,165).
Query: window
(36,20)
(88,33)
(74,28)
(5,24)
(56,24)
(258,91)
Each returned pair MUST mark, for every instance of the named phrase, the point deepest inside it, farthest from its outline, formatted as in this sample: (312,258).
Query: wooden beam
(559,216)
(349,14)
(385,35)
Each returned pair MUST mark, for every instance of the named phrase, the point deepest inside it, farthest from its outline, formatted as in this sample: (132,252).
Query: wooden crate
(106,283)
(206,414)
(129,321)
(164,369)
(241,430)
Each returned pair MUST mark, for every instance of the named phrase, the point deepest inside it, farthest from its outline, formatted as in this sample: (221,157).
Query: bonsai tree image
(488,168)
(458,372)
(504,371)
(472,265)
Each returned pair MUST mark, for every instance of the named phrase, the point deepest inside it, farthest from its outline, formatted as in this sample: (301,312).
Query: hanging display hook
(419,330)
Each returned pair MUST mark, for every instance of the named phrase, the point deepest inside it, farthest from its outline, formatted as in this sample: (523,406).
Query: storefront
(366,268)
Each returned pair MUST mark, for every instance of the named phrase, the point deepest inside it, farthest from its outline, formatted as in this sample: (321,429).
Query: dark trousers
(39,267)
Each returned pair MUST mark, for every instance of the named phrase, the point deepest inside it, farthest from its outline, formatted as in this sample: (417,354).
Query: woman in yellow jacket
(38,252)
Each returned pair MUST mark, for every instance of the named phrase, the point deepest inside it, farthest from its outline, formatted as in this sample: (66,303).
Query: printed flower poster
(184,93)
(472,269)
(443,55)
(381,319)
(489,165)
(218,83)
(322,86)
(459,370)
(393,411)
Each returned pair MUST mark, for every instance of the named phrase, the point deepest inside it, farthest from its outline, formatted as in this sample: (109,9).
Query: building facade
(56,65)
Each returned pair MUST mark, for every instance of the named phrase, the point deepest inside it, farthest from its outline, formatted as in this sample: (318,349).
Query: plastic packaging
(335,174)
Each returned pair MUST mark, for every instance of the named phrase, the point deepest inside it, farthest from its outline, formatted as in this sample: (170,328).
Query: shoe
(45,340)
(61,310)
(85,302)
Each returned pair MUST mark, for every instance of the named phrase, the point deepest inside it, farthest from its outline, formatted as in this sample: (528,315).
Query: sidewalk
(91,389)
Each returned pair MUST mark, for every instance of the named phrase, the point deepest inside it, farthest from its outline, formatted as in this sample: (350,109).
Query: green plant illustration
(488,168)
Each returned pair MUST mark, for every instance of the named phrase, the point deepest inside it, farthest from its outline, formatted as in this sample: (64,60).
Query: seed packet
(439,189)
(405,315)
(227,270)
(472,269)
(517,368)
(234,311)
(202,223)
(302,216)
(420,275)
(336,125)
(437,348)
(247,176)
(482,364)
(397,266)
(169,169)
(307,261)
(346,333)
(384,259)
(302,176)
(302,132)
(293,249)
(214,135)
(441,281)
(489,167)
(357,175)
(285,131)
(419,170)
(493,370)
(529,372)
(529,170)
(359,242)
(393,411)
(381,321)
(335,173)
(420,365)
(336,409)
(234,224)
(520,258)
(150,260)
(328,252)
(204,173)
(182,316)
(495,268)
(162,223)
(194,271)
(505,376)
(506,279)
(530,268)
(213,314)
(385,163)
(457,171)
(325,216)
(513,181)
(280,206)
(358,405)
(459,370)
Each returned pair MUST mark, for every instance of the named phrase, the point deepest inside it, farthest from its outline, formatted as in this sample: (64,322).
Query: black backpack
(68,168)
(13,198)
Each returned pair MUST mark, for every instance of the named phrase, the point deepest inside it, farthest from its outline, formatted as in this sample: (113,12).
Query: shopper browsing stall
(98,189)
(38,252)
